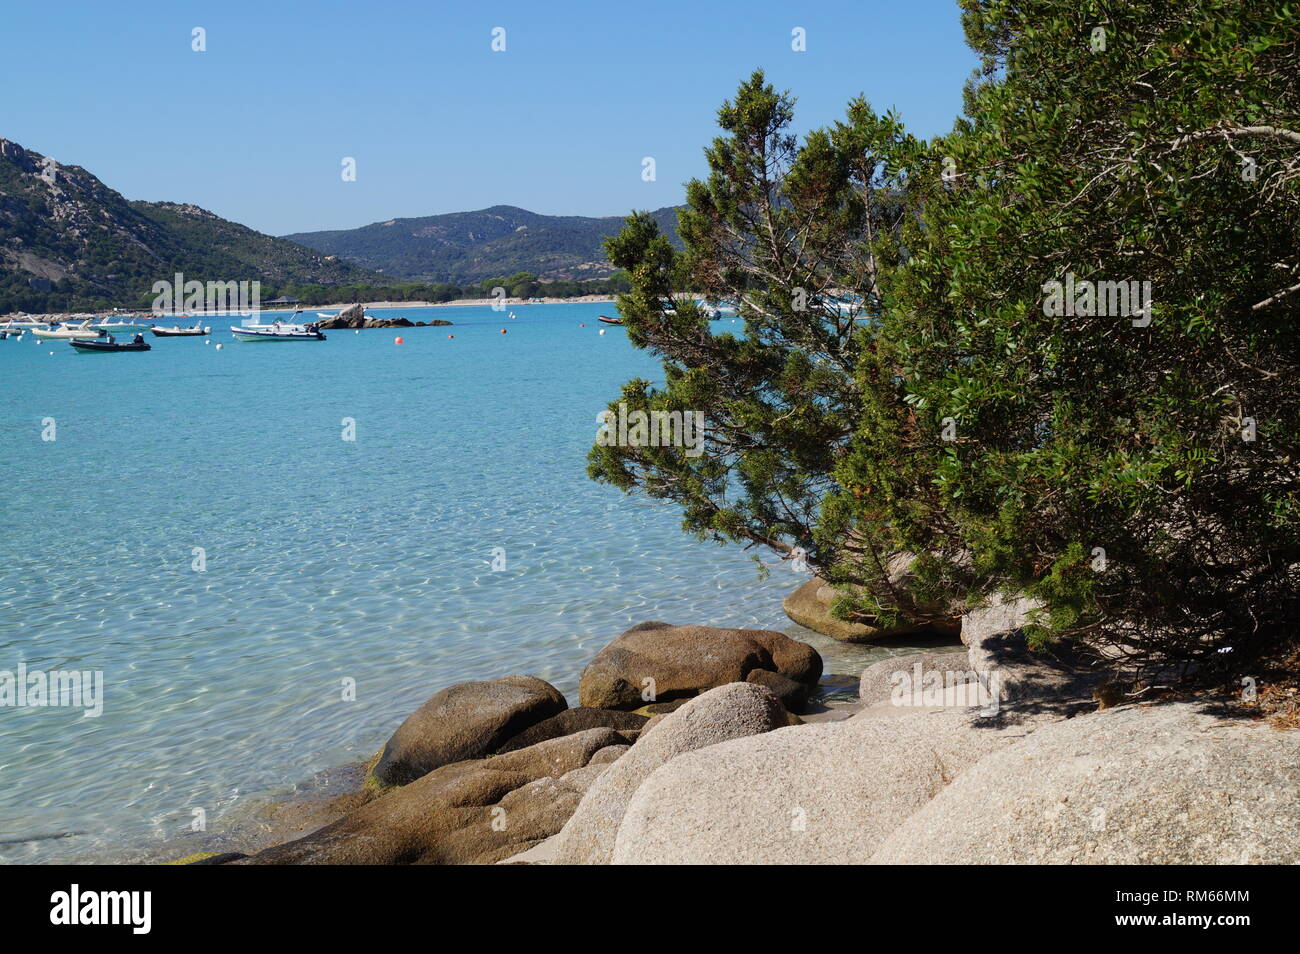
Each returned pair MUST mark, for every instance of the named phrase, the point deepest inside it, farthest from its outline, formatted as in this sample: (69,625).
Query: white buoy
(218,347)
(51,352)
(356,331)
(206,341)
(602,331)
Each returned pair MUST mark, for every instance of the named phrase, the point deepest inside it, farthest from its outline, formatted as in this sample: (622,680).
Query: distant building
(282,300)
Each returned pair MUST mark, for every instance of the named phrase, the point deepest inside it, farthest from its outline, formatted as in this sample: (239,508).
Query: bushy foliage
(1135,468)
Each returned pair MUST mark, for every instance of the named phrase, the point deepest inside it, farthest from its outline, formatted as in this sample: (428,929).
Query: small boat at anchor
(608,320)
(109,343)
(278,331)
(176,331)
(17,327)
(64,332)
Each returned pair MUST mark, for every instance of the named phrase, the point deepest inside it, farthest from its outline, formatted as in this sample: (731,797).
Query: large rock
(465,721)
(353,316)
(999,616)
(728,712)
(576,720)
(1168,785)
(810,606)
(473,812)
(814,794)
(684,661)
(884,680)
(996,643)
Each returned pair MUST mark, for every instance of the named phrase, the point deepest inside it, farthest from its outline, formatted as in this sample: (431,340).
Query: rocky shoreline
(701,745)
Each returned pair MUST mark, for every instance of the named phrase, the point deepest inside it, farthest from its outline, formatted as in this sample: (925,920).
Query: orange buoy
(503,331)
(397,340)
(451,336)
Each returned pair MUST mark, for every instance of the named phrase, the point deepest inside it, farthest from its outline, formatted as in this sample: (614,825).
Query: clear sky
(256,128)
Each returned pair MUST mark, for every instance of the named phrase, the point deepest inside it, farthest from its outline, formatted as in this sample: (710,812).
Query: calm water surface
(326,560)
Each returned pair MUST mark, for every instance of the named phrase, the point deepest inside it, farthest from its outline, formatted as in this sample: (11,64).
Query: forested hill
(472,246)
(69,242)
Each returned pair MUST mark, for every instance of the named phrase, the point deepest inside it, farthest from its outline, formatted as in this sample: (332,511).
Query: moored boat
(15,327)
(176,331)
(109,343)
(64,332)
(277,331)
(608,320)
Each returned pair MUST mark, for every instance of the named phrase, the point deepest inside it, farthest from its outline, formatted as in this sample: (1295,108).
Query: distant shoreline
(464,302)
(337,306)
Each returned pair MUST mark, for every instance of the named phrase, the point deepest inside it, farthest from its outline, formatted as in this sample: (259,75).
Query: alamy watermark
(1108,299)
(195,298)
(58,688)
(953,687)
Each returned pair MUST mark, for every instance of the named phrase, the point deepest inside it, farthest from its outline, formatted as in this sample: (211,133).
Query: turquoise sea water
(326,560)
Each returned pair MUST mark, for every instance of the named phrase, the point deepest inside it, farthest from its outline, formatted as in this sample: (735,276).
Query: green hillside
(69,242)
(471,246)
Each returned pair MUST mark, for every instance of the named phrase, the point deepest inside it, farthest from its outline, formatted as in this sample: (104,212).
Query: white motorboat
(16,329)
(66,332)
(16,326)
(277,331)
(197,330)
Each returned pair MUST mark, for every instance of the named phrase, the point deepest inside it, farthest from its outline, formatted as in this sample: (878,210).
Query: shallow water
(326,560)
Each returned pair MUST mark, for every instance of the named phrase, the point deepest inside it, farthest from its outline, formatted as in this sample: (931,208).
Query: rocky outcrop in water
(465,721)
(354,316)
(472,812)
(659,662)
(1037,775)
(811,606)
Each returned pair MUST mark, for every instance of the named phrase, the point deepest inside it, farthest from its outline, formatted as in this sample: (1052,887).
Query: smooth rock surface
(474,812)
(465,721)
(727,712)
(813,794)
(683,661)
(810,606)
(995,642)
(1165,784)
(881,681)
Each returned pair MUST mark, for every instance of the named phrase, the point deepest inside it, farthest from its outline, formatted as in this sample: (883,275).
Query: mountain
(471,246)
(69,242)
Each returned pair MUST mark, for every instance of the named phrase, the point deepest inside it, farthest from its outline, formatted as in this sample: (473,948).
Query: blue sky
(256,127)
